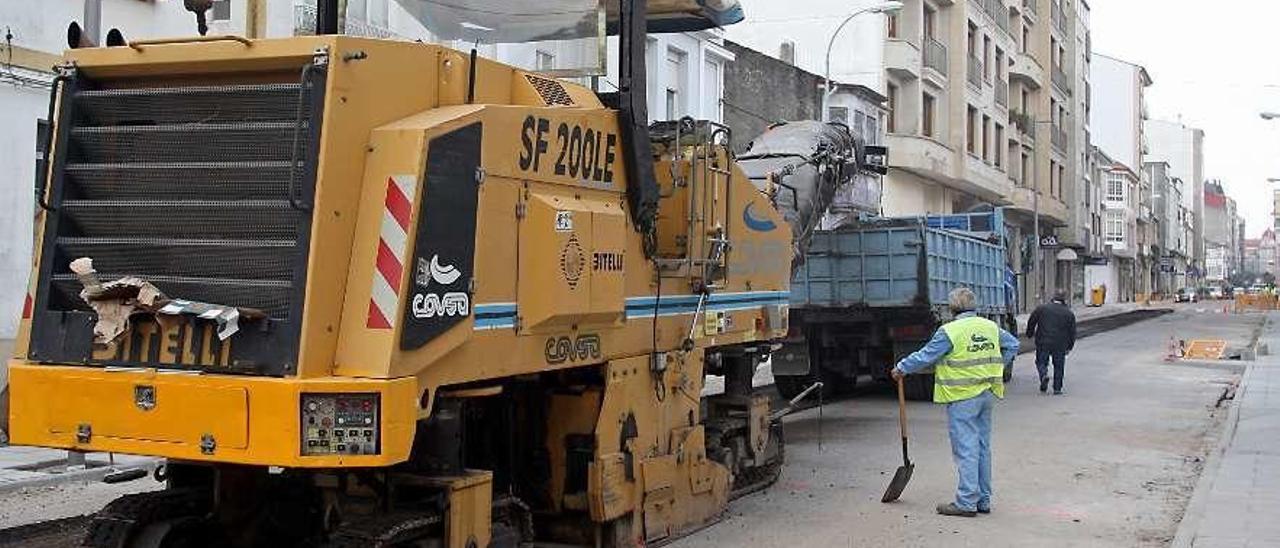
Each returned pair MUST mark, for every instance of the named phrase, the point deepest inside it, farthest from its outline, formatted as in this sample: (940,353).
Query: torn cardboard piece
(116,301)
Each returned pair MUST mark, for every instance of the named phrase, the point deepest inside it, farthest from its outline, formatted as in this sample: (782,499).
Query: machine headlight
(340,424)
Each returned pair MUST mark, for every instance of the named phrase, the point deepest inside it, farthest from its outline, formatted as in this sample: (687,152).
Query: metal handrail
(975,70)
(138,44)
(935,55)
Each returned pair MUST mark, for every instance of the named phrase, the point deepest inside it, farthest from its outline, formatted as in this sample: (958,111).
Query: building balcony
(1024,123)
(983,180)
(1059,137)
(1059,16)
(1027,69)
(922,155)
(1002,93)
(902,58)
(935,56)
(975,71)
(998,13)
(1052,210)
(1061,81)
(1027,8)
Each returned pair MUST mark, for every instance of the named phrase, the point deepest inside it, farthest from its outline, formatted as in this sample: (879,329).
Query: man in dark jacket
(1053,326)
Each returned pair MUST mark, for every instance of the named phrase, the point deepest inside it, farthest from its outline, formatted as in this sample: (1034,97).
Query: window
(999,64)
(891,124)
(221,10)
(1026,170)
(838,114)
(926,119)
(675,84)
(986,138)
(1115,227)
(1115,186)
(787,52)
(986,58)
(972,130)
(892,25)
(859,123)
(998,143)
(1026,101)
(973,40)
(367,11)
(544,61)
(930,18)
(1053,178)
(713,90)
(1026,39)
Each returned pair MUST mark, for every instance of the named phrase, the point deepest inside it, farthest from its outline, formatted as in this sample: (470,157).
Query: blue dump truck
(870,293)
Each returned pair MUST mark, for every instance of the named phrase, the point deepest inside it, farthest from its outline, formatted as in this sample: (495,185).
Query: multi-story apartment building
(1121,187)
(1222,239)
(980,105)
(1084,217)
(1260,254)
(1117,116)
(686,72)
(1170,253)
(1183,147)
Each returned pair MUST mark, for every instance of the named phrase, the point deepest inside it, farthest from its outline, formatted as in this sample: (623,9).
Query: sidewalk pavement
(1236,503)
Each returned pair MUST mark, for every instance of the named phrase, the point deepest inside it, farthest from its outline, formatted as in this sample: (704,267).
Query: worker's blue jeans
(969,422)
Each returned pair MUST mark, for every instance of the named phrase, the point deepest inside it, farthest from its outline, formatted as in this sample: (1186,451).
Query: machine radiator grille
(202,190)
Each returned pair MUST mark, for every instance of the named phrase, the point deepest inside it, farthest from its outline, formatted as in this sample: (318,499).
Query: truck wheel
(918,387)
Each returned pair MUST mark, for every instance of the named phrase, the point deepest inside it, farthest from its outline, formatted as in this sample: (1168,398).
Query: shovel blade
(900,480)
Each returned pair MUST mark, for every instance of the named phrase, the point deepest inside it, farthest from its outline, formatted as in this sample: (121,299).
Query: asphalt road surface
(1111,463)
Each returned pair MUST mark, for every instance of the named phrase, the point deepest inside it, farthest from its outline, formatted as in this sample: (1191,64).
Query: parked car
(1185,295)
(1216,293)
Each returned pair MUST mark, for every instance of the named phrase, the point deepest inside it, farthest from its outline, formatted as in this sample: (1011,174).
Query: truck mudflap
(791,360)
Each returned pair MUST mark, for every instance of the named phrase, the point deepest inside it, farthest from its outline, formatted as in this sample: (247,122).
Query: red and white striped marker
(384,299)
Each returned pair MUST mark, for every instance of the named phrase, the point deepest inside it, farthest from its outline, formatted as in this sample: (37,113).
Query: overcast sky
(1216,65)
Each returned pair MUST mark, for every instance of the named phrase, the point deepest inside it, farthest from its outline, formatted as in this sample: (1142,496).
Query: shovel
(903,475)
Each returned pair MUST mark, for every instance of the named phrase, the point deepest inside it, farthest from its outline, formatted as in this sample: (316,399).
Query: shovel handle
(902,409)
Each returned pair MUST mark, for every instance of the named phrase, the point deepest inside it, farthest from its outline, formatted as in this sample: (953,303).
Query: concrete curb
(1189,525)
(85,476)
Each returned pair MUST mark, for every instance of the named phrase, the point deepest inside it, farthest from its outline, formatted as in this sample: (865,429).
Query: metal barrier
(1256,303)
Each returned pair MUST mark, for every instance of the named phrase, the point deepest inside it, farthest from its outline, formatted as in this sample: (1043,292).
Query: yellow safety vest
(974,363)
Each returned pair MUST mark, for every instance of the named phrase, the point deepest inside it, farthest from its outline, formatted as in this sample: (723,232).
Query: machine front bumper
(195,417)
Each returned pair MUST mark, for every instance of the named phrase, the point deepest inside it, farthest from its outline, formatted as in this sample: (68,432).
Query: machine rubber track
(116,524)
(751,479)
(758,478)
(385,531)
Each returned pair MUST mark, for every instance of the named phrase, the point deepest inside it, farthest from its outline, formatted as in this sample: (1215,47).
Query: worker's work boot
(950,509)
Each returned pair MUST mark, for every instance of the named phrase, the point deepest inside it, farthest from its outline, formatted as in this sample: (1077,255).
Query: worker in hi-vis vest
(973,359)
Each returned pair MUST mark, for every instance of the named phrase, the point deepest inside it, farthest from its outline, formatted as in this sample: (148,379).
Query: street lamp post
(1035,211)
(888,7)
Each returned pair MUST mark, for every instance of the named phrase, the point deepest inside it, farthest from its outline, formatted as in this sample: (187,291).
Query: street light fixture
(1269,115)
(890,7)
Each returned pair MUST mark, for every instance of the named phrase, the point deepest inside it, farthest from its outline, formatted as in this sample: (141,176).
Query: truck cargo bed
(912,262)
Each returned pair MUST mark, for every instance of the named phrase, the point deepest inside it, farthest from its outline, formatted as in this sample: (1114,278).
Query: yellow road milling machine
(363,292)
